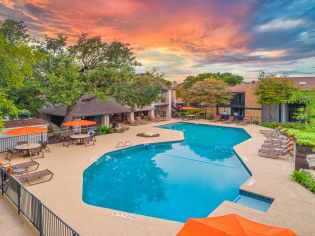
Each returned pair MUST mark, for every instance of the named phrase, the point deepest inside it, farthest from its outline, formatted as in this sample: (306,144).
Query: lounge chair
(217,118)
(31,177)
(229,120)
(10,154)
(275,152)
(245,121)
(26,165)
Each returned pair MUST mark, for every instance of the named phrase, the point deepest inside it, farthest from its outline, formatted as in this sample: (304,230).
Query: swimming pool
(174,180)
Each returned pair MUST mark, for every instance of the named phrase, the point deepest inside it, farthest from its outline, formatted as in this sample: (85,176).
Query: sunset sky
(187,37)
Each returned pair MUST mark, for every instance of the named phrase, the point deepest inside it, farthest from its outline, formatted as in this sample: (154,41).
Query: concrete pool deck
(293,207)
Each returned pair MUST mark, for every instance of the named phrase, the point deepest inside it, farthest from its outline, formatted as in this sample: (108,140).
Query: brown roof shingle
(90,106)
(26,122)
(304,82)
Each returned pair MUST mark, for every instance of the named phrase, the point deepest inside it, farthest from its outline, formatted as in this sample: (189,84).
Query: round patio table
(191,116)
(79,137)
(27,147)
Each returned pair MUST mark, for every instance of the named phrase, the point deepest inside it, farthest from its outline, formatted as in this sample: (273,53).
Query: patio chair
(68,141)
(31,177)
(245,121)
(229,120)
(154,119)
(44,146)
(132,123)
(10,154)
(217,118)
(141,121)
(22,142)
(37,151)
(4,184)
(87,141)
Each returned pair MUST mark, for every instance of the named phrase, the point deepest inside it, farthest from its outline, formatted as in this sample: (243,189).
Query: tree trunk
(69,113)
(270,113)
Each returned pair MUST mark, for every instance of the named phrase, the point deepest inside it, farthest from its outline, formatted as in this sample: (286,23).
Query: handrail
(37,213)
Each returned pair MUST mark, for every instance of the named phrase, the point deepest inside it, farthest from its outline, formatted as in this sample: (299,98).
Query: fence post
(2,181)
(40,216)
(19,198)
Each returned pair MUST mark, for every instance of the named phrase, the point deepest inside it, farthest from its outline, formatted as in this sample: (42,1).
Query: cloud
(182,37)
(281,24)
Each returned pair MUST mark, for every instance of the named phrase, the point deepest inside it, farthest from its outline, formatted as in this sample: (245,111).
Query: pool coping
(63,194)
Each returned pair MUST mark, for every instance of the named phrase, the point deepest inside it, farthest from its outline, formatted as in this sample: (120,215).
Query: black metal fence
(43,219)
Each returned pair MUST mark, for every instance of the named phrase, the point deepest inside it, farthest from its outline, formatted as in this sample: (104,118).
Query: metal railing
(43,219)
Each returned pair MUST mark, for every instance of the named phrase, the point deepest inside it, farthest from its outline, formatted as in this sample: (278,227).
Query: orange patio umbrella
(26,130)
(80,123)
(191,108)
(230,225)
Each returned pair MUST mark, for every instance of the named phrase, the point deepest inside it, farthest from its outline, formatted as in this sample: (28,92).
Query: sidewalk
(11,224)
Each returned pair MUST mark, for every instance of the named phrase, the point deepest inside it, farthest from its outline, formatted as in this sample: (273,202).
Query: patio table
(191,116)
(27,147)
(79,137)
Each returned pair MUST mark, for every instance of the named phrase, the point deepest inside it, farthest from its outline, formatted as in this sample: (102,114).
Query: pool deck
(293,207)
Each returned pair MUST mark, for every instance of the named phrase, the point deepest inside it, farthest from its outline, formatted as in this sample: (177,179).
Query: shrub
(304,178)
(103,129)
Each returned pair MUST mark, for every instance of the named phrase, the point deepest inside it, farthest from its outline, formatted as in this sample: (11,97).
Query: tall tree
(210,92)
(7,108)
(272,89)
(306,112)
(94,67)
(14,32)
(140,90)
(17,65)
(230,79)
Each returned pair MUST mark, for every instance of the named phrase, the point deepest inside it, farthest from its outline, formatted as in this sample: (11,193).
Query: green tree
(305,113)
(272,89)
(17,65)
(210,92)
(7,108)
(14,32)
(230,79)
(139,90)
(92,66)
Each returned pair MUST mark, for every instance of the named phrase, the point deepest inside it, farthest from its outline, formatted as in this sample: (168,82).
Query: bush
(304,178)
(103,129)
(290,125)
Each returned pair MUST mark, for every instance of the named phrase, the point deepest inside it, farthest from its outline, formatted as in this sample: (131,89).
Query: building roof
(92,106)
(27,122)
(303,82)
(240,88)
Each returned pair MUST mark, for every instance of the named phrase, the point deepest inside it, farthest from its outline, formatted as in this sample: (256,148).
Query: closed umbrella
(230,225)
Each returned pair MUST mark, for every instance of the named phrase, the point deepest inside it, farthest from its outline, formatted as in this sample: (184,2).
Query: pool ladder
(124,144)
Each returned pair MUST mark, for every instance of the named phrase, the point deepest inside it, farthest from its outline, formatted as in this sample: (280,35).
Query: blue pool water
(254,201)
(173,181)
